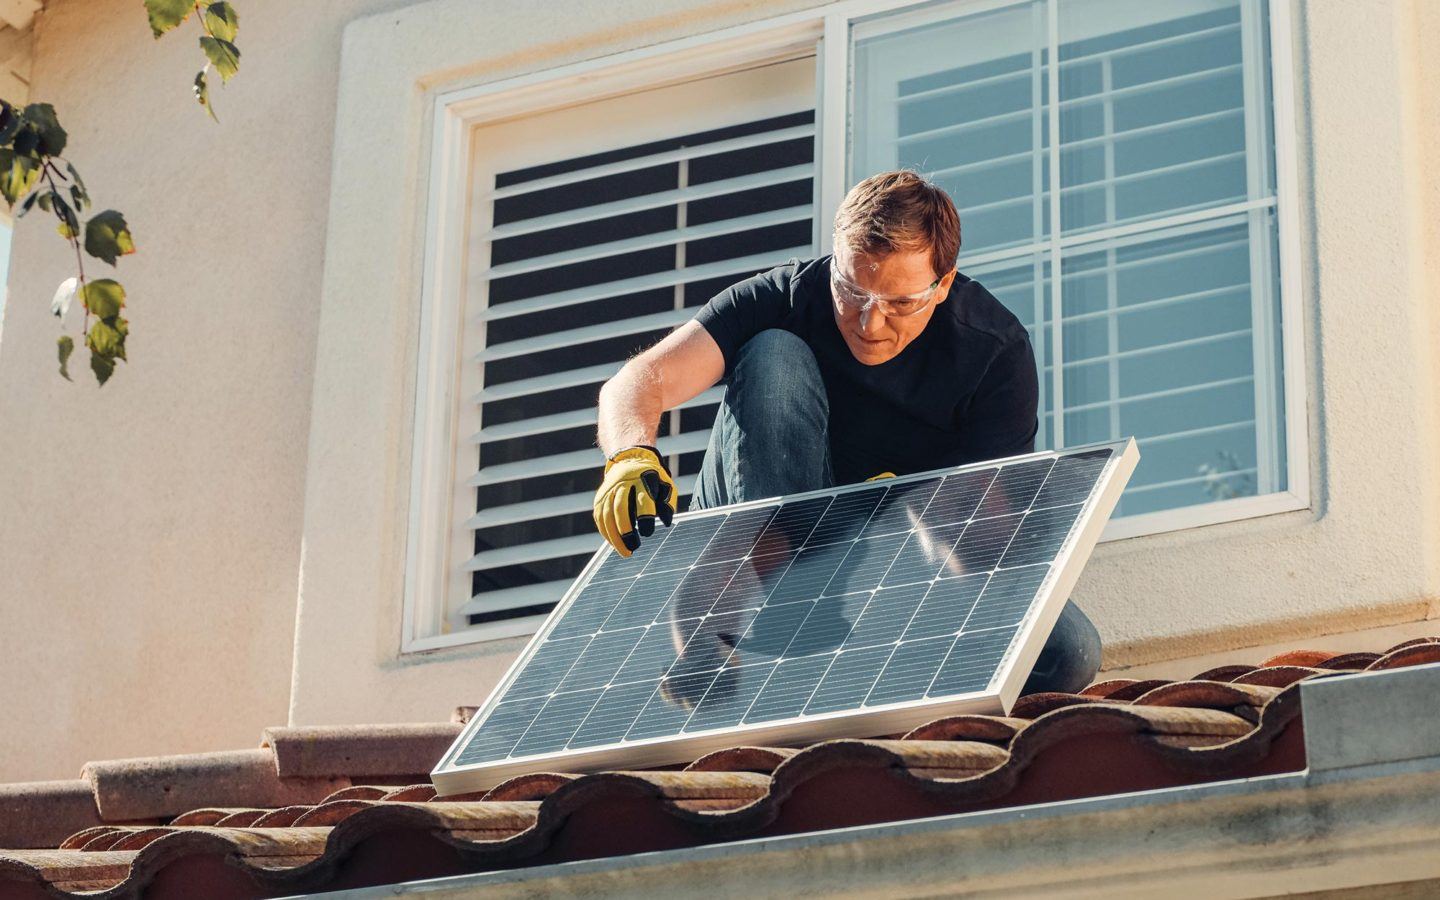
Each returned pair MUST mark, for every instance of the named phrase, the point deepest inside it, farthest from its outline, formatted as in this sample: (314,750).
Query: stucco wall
(148,601)
(150,529)
(1365,555)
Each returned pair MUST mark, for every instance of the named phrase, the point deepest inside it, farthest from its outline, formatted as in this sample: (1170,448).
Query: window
(581,259)
(1164,322)
(1116,167)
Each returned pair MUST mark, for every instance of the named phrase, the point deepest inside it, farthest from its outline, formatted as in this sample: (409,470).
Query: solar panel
(859,610)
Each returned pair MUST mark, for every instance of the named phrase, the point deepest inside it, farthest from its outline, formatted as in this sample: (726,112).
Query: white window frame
(438,509)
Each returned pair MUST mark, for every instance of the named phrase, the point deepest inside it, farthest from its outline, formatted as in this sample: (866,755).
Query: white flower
(60,305)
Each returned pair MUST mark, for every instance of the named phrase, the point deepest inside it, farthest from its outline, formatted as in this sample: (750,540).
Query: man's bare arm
(679,366)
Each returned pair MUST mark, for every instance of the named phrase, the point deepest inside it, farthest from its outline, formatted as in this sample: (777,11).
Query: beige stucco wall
(148,601)
(150,529)
(1365,556)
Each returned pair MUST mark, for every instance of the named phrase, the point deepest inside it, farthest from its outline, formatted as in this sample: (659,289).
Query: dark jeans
(770,439)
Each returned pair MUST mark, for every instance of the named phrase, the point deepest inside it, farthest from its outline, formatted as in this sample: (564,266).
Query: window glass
(1168,297)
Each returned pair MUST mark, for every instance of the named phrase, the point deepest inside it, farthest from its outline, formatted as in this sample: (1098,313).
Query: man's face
(873,337)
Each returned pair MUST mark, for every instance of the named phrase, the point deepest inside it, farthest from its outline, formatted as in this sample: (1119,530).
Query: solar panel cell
(972,661)
(753,582)
(548,667)
(910,670)
(656,652)
(1014,488)
(618,708)
(982,544)
(1072,478)
(771,630)
(1040,535)
(925,550)
(670,706)
(946,607)
(791,526)
(846,517)
(959,496)
(601,659)
(557,723)
(682,546)
(647,596)
(828,624)
(789,688)
(592,608)
(901,507)
(866,563)
(886,615)
(849,679)
(809,573)
(698,590)
(737,537)
(729,697)
(503,728)
(1006,597)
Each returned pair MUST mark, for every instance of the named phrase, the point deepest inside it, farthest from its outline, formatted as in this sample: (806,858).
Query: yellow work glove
(636,491)
(880,476)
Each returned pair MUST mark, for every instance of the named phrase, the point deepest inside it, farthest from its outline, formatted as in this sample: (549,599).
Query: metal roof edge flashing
(1353,720)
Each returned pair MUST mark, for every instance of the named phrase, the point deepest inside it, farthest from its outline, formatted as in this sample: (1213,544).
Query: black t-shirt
(963,390)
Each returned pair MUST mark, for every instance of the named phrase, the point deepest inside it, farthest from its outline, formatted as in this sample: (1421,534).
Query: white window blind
(592,257)
(1165,323)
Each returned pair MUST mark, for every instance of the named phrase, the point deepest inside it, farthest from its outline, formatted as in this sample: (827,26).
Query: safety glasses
(855,299)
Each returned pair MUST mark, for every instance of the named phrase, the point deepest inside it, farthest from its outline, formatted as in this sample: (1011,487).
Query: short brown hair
(899,210)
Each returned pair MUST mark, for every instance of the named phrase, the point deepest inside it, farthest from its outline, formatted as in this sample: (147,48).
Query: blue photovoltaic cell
(881,594)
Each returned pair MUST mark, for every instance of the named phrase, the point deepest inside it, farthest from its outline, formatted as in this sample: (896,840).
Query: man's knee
(1071,655)
(781,368)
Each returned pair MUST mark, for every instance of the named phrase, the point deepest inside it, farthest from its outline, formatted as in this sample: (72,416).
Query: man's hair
(899,210)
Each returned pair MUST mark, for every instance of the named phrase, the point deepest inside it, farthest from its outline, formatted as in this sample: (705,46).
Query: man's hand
(636,491)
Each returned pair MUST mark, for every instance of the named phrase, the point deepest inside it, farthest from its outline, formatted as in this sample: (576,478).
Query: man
(878,359)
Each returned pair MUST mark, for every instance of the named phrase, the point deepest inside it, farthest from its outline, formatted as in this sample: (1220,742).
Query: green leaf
(41,118)
(9,122)
(107,236)
(202,93)
(166,14)
(27,142)
(225,56)
(67,347)
(81,201)
(76,175)
(122,327)
(44,199)
(104,339)
(29,202)
(222,21)
(103,297)
(69,224)
(102,367)
(18,174)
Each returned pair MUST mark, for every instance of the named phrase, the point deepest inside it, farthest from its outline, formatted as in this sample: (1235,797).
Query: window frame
(435,535)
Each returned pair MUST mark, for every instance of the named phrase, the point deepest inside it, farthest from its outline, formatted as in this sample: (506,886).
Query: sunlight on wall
(4,271)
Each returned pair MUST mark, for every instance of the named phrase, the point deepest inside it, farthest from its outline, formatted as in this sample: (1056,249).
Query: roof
(324,808)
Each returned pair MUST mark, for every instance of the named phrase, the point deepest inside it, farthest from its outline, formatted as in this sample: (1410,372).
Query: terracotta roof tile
(996,729)
(293,816)
(364,750)
(170,785)
(41,813)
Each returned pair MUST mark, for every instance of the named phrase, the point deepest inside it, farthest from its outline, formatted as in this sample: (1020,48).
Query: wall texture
(150,529)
